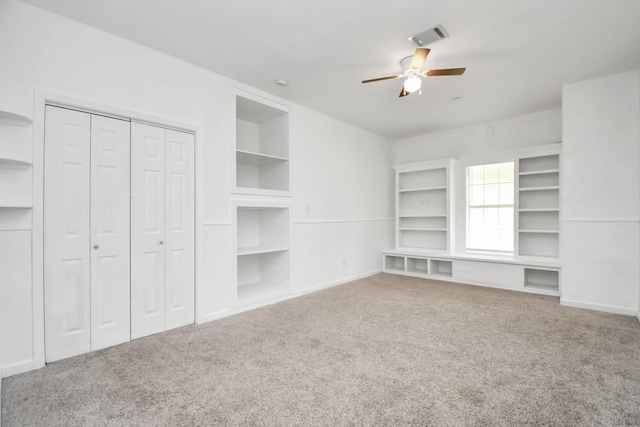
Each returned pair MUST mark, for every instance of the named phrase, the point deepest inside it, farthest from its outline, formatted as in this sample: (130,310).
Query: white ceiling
(518,53)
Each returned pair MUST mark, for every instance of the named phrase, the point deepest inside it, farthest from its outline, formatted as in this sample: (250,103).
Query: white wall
(489,143)
(343,199)
(600,175)
(337,169)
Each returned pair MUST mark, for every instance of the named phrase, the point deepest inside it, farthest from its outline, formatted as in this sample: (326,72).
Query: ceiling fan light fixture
(412,84)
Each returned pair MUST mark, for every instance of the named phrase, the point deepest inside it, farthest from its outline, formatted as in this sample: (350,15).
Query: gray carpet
(386,350)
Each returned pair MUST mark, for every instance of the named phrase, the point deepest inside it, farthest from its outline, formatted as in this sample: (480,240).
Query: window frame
(511,206)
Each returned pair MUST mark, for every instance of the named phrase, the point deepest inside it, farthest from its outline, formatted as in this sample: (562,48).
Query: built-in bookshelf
(262,251)
(538,202)
(423,206)
(15,172)
(261,146)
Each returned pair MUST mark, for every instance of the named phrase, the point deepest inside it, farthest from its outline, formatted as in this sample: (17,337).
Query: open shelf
(394,263)
(538,164)
(538,211)
(418,266)
(423,179)
(261,146)
(260,276)
(440,267)
(423,239)
(545,199)
(257,159)
(262,251)
(539,245)
(546,280)
(423,205)
(13,119)
(16,205)
(423,189)
(13,163)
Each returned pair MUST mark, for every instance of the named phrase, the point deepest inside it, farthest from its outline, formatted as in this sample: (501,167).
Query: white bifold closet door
(162,229)
(86,232)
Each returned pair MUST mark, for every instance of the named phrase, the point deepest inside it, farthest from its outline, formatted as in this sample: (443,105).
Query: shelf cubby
(542,198)
(546,280)
(539,220)
(537,164)
(261,146)
(421,179)
(423,239)
(540,179)
(394,263)
(423,203)
(262,251)
(418,266)
(423,222)
(262,275)
(441,267)
(539,245)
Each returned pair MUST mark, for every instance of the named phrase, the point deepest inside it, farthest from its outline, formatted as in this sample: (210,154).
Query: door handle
(162,242)
(95,246)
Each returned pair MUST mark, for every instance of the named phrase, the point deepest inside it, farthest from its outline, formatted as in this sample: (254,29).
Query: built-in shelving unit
(423,211)
(542,279)
(262,251)
(538,202)
(261,146)
(15,172)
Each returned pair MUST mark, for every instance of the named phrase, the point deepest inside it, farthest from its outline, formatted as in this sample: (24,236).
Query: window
(490,194)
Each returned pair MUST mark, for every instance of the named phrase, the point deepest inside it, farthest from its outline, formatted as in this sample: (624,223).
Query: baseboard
(342,281)
(232,311)
(599,307)
(17,368)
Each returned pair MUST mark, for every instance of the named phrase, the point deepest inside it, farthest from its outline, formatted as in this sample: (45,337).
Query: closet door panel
(180,264)
(110,239)
(147,230)
(67,233)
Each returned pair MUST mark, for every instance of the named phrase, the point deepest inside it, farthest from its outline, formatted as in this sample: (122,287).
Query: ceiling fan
(411,66)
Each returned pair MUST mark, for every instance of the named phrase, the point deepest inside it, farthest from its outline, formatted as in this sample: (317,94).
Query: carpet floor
(385,350)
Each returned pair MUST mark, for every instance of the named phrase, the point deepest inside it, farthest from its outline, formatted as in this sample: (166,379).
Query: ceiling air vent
(429,36)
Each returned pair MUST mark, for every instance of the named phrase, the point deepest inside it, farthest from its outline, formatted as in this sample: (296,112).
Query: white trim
(538,150)
(295,294)
(216,223)
(638,315)
(339,221)
(17,368)
(42,98)
(598,307)
(600,219)
(527,262)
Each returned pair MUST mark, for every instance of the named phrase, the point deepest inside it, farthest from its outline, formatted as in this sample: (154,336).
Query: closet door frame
(43,98)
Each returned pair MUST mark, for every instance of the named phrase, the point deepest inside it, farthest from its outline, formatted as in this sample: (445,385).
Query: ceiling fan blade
(403,92)
(382,78)
(419,57)
(445,72)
